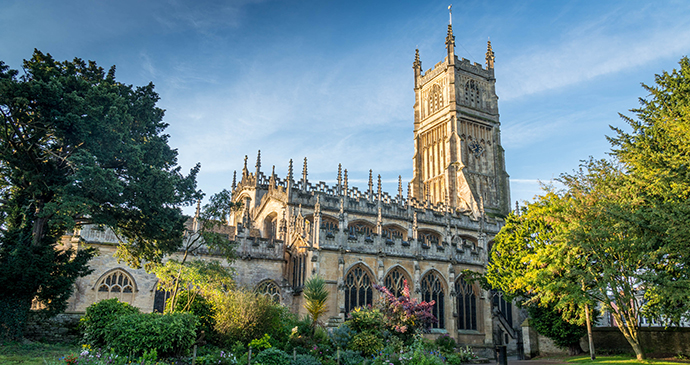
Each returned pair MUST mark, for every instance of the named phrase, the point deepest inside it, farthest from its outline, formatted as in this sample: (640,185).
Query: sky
(333,81)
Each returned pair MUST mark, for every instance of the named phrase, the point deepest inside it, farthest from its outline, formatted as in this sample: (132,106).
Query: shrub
(272,356)
(367,343)
(341,336)
(169,334)
(262,343)
(446,343)
(365,319)
(99,317)
(241,315)
(349,357)
(202,309)
(305,360)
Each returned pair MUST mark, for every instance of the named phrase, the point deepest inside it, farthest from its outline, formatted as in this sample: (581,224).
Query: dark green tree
(77,147)
(549,322)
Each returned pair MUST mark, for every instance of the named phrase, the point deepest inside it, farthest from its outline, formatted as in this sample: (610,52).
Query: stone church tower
(458,157)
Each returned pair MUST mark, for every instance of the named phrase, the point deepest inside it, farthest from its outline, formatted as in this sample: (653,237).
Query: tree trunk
(575,349)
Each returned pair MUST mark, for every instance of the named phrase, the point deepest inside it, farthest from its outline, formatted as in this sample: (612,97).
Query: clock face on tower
(476,148)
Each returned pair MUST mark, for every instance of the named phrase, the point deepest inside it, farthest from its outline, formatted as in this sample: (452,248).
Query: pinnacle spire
(345,183)
(340,177)
(304,175)
(234,180)
(258,161)
(489,55)
(417,64)
(371,185)
(378,192)
(290,175)
(400,190)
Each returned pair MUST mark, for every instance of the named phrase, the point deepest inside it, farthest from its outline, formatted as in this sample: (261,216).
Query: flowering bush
(404,315)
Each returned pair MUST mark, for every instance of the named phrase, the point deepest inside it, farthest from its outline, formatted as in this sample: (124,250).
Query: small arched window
(359,229)
(467,305)
(432,289)
(435,100)
(270,289)
(329,225)
(392,233)
(358,288)
(271,226)
(427,239)
(299,268)
(395,281)
(116,284)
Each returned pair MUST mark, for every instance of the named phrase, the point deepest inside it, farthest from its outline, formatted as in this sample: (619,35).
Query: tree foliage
(550,323)
(77,147)
(315,297)
(618,229)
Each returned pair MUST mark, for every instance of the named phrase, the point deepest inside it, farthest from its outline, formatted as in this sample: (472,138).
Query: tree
(656,155)
(78,147)
(568,249)
(206,234)
(315,297)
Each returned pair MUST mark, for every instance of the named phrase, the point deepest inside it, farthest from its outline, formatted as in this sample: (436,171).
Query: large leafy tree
(656,154)
(618,229)
(77,147)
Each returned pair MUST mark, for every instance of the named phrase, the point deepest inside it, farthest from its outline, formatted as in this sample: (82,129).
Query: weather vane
(450,14)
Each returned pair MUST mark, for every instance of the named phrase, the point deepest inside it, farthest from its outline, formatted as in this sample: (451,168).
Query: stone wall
(61,328)
(654,340)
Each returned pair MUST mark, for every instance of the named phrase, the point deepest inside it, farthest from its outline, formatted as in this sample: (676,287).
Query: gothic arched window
(504,306)
(467,305)
(270,289)
(116,284)
(271,226)
(358,288)
(299,268)
(329,225)
(428,238)
(360,228)
(432,289)
(435,100)
(395,279)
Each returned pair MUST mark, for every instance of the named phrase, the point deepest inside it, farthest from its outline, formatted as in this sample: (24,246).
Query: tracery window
(428,238)
(116,284)
(504,306)
(435,99)
(359,228)
(394,281)
(358,288)
(432,289)
(466,305)
(299,268)
(270,289)
(391,233)
(329,225)
(472,93)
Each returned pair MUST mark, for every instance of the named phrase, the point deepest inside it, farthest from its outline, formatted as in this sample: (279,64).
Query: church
(427,233)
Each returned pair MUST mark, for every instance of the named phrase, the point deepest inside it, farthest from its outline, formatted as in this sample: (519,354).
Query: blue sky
(332,81)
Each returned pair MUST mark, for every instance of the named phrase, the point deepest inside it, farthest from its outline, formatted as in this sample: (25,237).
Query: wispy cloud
(594,49)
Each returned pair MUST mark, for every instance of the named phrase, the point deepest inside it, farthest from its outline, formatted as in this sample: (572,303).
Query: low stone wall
(654,340)
(61,328)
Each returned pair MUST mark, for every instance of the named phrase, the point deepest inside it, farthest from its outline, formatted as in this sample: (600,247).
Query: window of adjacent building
(270,289)
(432,289)
(467,305)
(116,284)
(358,288)
(394,281)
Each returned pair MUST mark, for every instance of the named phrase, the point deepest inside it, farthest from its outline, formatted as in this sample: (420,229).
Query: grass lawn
(618,360)
(34,353)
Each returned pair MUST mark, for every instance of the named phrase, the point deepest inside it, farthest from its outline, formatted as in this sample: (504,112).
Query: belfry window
(394,281)
(466,305)
(116,284)
(432,289)
(270,289)
(358,288)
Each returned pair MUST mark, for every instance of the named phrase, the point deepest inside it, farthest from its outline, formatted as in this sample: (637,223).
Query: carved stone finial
(417,64)
(340,177)
(345,188)
(517,208)
(258,161)
(489,56)
(304,175)
(290,175)
(409,190)
(378,192)
(244,169)
(450,40)
(234,180)
(371,185)
(400,191)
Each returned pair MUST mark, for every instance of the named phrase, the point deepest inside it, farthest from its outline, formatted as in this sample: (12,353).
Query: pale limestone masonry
(291,229)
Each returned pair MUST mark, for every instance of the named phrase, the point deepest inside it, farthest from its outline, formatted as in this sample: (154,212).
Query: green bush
(341,336)
(349,357)
(169,334)
(367,343)
(365,319)
(99,317)
(272,356)
(305,360)
(243,316)
(445,343)
(202,309)
(261,344)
